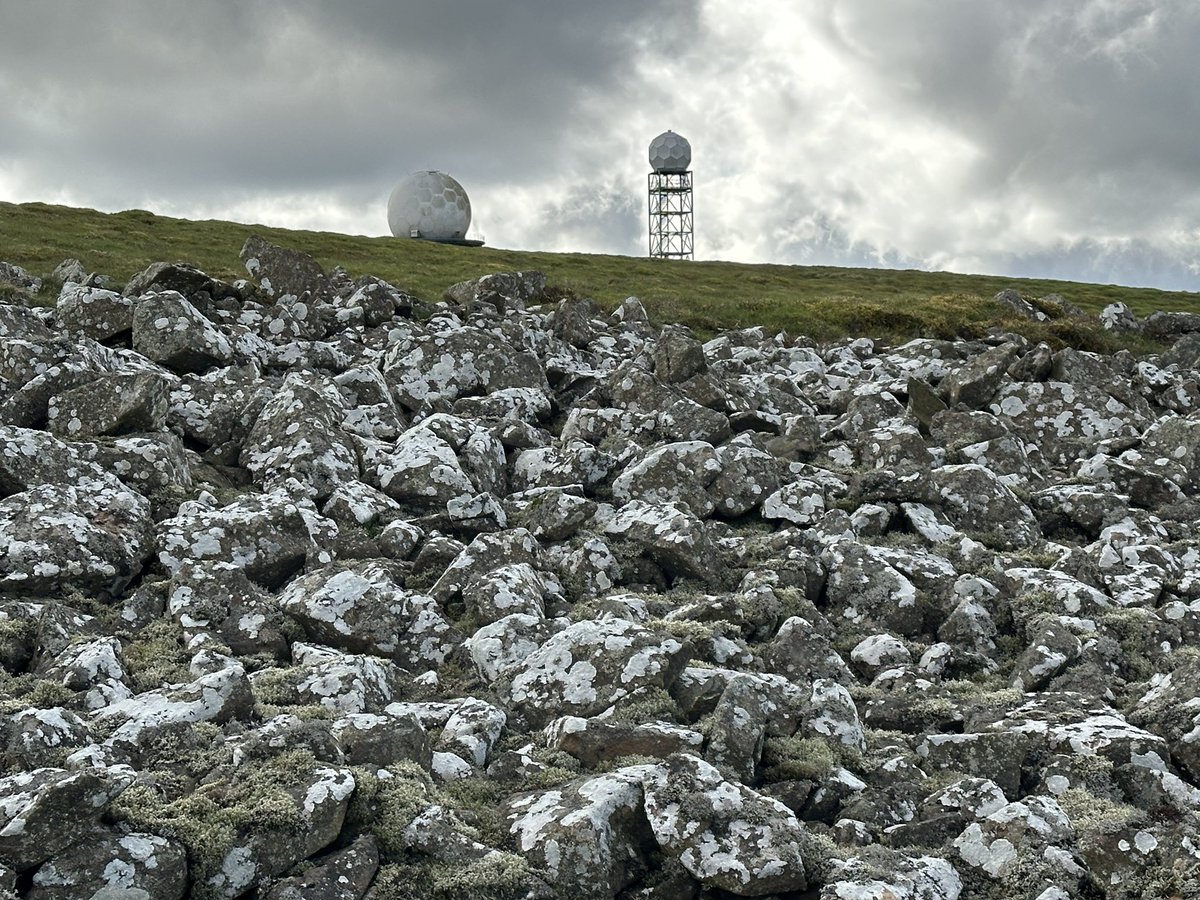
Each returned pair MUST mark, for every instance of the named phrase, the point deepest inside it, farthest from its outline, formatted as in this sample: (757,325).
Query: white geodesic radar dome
(670,152)
(429,205)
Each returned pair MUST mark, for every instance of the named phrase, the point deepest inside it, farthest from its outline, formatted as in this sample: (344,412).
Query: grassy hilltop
(821,301)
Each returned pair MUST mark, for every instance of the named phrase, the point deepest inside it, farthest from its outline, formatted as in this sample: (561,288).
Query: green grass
(820,301)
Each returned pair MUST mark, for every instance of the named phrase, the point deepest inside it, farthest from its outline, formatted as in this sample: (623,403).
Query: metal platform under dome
(670,215)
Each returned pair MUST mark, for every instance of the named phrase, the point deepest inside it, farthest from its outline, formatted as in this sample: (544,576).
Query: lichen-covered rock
(343,874)
(217,599)
(999,538)
(120,403)
(998,756)
(218,409)
(893,877)
(550,513)
(339,682)
(863,588)
(44,811)
(94,669)
(974,383)
(280,271)
(270,536)
(473,730)
(361,609)
(588,835)
(589,666)
(171,331)
(738,726)
(96,312)
(320,798)
(485,554)
(41,738)
(457,362)
(1063,420)
(54,536)
(1031,831)
(977,501)
(106,860)
(500,646)
(423,469)
(667,533)
(176,276)
(799,502)
(507,590)
(596,740)
(1169,708)
(382,739)
(678,472)
(725,834)
(138,720)
(1069,723)
(297,437)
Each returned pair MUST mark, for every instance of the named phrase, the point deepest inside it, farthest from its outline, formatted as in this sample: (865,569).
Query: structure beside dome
(431,206)
(670,197)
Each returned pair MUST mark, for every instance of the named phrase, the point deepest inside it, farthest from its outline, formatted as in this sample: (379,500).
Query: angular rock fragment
(589,666)
(588,835)
(726,835)
(271,536)
(44,811)
(118,863)
(171,331)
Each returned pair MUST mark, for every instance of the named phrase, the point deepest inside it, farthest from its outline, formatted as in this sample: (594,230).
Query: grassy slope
(821,301)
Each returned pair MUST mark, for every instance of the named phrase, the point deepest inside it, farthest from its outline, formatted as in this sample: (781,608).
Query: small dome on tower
(670,152)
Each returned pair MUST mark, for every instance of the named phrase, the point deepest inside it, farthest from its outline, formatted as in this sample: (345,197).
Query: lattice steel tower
(670,197)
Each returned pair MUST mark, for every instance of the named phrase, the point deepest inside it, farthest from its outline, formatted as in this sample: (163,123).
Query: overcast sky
(1056,138)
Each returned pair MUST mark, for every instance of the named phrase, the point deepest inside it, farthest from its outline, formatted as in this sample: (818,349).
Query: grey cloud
(172,97)
(1088,103)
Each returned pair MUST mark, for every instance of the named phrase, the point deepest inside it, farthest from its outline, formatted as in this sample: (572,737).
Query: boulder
(271,536)
(359,608)
(95,312)
(588,835)
(114,404)
(297,438)
(678,472)
(343,874)
(589,666)
(319,799)
(1064,421)
(726,835)
(45,811)
(181,277)
(169,330)
(283,272)
(667,533)
(112,861)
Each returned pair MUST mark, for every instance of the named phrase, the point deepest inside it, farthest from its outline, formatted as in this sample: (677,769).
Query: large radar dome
(429,205)
(670,152)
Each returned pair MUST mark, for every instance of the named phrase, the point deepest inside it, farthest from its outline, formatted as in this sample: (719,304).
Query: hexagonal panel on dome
(430,204)
(670,152)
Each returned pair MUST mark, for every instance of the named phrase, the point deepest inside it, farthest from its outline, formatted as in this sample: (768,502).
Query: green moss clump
(647,704)
(19,692)
(386,806)
(156,656)
(797,758)
(498,876)
(1093,814)
(210,820)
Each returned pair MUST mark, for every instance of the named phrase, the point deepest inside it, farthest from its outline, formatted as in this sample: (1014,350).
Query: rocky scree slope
(309,590)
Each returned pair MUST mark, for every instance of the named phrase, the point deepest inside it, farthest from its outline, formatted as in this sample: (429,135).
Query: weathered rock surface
(309,587)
